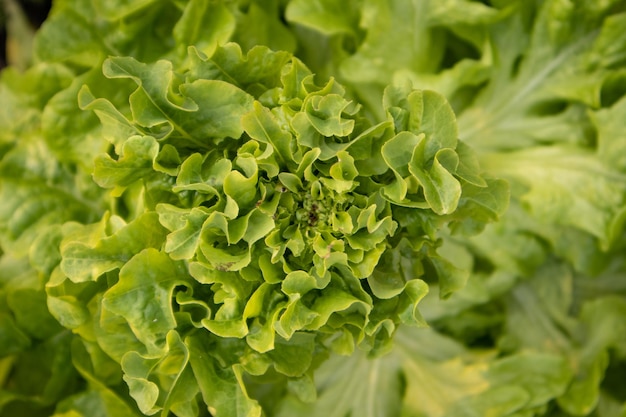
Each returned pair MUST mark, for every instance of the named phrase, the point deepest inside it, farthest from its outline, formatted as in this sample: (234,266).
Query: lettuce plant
(278,208)
(263,216)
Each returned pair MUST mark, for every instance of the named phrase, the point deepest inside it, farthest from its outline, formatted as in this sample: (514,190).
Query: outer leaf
(68,36)
(101,399)
(143,295)
(324,15)
(118,9)
(393,26)
(73,135)
(191,29)
(256,72)
(176,387)
(135,162)
(217,106)
(87,260)
(221,389)
(261,25)
(31,314)
(30,206)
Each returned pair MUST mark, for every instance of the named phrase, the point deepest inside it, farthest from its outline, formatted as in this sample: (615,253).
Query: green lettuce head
(259,221)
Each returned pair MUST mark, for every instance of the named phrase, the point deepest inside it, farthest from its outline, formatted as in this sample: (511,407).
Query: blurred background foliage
(19,19)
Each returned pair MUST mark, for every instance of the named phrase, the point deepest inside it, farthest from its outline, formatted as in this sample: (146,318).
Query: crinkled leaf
(87,260)
(221,387)
(143,295)
(441,190)
(217,106)
(256,72)
(134,163)
(176,386)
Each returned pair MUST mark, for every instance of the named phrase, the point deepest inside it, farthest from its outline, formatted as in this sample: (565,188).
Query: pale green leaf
(220,387)
(143,295)
(198,16)
(87,260)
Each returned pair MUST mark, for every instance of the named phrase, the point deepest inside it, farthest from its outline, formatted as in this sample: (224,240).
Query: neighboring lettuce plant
(255,208)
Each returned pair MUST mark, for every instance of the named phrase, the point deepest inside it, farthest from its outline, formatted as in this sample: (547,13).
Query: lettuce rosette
(257,222)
